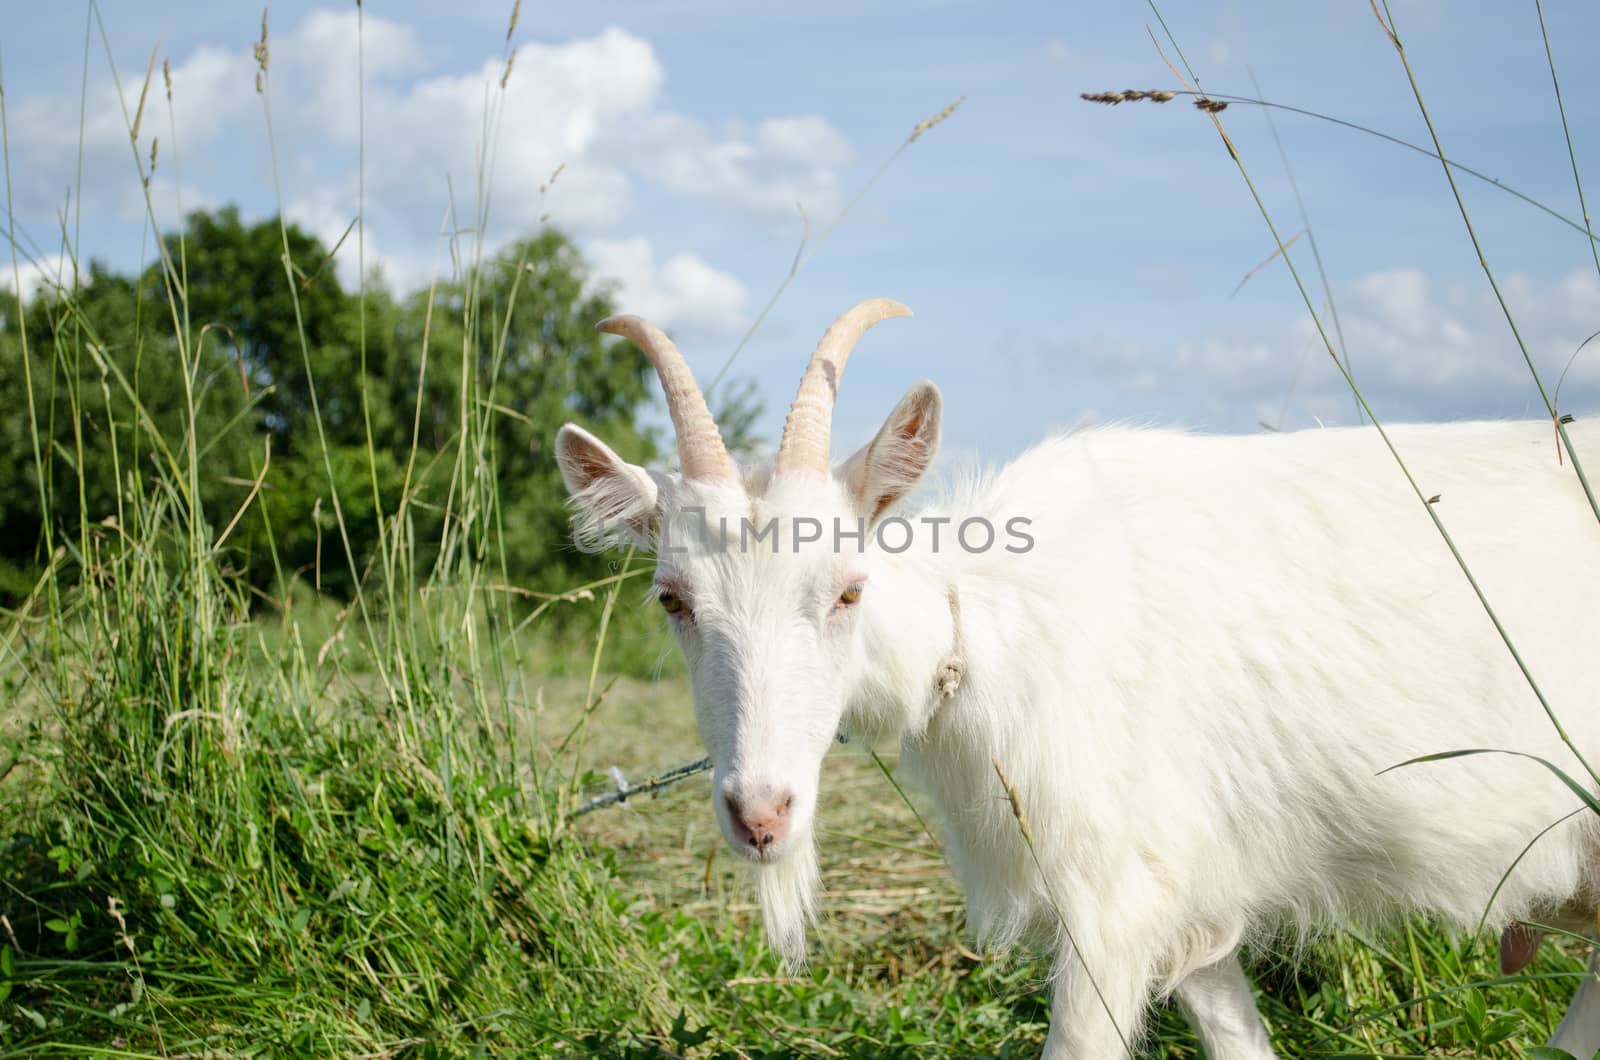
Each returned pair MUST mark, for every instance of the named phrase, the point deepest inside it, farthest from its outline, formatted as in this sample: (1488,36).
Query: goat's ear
(610,495)
(887,467)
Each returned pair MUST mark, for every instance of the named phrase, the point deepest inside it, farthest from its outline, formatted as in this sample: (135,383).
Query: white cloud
(593,106)
(387,48)
(325,217)
(1417,348)
(783,164)
(808,139)
(212,92)
(682,292)
(557,104)
(1408,333)
(53,271)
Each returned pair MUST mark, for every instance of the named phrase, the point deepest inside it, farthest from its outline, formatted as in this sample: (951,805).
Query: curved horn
(806,432)
(700,448)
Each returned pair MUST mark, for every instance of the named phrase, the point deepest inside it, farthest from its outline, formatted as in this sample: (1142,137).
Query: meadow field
(303,688)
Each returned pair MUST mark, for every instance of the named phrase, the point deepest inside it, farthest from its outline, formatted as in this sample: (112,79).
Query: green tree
(513,347)
(452,404)
(237,286)
(112,408)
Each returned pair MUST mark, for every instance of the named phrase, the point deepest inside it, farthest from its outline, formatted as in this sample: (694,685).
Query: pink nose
(759,823)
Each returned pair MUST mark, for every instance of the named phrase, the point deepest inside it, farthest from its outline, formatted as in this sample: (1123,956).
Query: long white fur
(1196,680)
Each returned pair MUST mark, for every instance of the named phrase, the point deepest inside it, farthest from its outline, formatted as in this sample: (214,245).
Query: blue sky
(1065,260)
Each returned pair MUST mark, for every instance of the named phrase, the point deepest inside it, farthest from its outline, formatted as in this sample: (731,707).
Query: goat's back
(1222,642)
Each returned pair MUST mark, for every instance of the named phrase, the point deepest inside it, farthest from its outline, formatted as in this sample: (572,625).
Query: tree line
(299,387)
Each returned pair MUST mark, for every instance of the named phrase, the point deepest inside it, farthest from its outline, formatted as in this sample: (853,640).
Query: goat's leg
(1579,1033)
(1221,1009)
(1091,1024)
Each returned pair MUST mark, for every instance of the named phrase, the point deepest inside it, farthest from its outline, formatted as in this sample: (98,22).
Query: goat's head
(764,577)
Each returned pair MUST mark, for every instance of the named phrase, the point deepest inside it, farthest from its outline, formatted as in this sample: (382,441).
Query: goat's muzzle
(759,824)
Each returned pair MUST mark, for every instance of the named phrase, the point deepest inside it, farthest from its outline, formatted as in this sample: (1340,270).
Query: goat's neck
(910,633)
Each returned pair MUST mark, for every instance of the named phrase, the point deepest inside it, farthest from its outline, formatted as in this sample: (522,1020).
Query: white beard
(787,890)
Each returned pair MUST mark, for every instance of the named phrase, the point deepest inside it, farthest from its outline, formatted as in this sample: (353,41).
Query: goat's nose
(758,823)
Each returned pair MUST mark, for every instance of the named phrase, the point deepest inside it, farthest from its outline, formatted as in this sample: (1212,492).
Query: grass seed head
(260,51)
(1016,801)
(927,123)
(1128,95)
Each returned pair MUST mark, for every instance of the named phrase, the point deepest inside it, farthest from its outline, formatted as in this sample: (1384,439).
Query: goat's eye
(671,602)
(851,595)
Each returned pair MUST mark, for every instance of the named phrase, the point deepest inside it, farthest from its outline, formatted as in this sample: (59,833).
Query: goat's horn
(806,432)
(700,448)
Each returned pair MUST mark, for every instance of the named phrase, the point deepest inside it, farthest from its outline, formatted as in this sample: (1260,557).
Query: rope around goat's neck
(947,679)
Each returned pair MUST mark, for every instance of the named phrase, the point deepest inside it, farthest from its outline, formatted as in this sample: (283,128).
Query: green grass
(231,845)
(300,865)
(342,828)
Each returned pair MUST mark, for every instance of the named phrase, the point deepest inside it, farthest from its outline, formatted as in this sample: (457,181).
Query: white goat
(1194,657)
